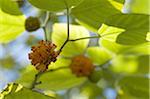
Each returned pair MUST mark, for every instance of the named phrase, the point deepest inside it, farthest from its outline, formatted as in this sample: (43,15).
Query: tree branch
(68,31)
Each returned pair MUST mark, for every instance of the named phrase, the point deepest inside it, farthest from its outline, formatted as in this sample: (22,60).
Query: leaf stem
(45,34)
(44,25)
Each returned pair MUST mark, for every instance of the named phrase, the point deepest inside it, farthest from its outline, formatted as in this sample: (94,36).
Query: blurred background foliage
(121,55)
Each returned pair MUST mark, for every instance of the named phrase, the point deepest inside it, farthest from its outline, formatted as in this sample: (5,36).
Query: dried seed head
(32,24)
(43,54)
(81,66)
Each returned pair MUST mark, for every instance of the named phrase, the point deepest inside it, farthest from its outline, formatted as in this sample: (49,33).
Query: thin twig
(68,31)
(34,83)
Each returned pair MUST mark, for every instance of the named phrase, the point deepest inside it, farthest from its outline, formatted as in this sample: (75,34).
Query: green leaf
(93,13)
(54,5)
(125,64)
(136,86)
(120,1)
(11,27)
(59,36)
(15,91)
(59,80)
(136,6)
(90,90)
(27,76)
(61,62)
(109,32)
(136,28)
(112,46)
(143,64)
(142,49)
(118,4)
(10,7)
(28,73)
(131,64)
(98,55)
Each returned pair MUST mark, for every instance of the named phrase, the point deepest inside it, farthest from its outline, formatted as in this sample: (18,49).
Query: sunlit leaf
(125,64)
(10,7)
(59,80)
(61,62)
(54,5)
(93,13)
(143,64)
(53,80)
(136,86)
(98,55)
(136,27)
(131,64)
(136,6)
(142,49)
(72,48)
(10,27)
(120,1)
(15,91)
(27,76)
(90,90)
(118,4)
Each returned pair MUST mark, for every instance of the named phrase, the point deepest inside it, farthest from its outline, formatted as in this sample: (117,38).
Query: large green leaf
(17,91)
(93,13)
(10,26)
(27,76)
(125,64)
(143,64)
(10,7)
(28,73)
(136,28)
(131,64)
(137,86)
(98,55)
(142,49)
(54,5)
(112,46)
(59,80)
(53,80)
(72,48)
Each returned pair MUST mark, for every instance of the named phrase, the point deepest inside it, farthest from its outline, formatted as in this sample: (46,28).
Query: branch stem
(34,83)
(68,31)
(45,24)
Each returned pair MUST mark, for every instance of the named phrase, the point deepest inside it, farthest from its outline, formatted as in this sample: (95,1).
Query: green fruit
(95,76)
(32,24)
